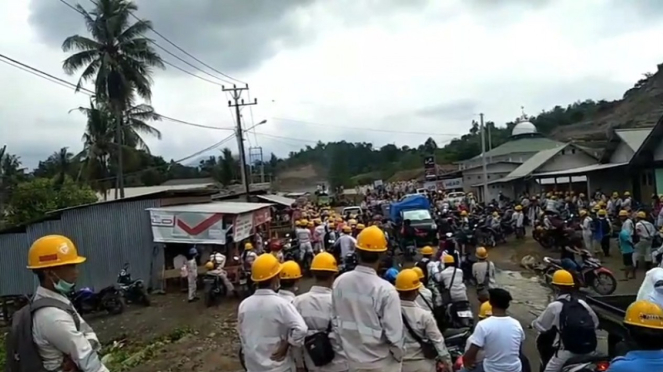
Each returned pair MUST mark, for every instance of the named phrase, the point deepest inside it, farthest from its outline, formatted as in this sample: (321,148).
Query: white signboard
(377,183)
(453,183)
(243,226)
(187,227)
(430,185)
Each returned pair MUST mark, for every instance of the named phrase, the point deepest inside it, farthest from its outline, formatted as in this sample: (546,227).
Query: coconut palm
(117,57)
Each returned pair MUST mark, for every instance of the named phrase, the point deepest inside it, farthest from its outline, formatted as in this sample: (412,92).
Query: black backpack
(22,354)
(424,268)
(576,327)
(319,347)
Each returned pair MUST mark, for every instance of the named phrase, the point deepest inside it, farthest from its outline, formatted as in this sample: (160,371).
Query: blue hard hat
(193,252)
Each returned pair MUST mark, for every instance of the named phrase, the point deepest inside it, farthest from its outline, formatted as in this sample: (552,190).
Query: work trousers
(419,365)
(556,363)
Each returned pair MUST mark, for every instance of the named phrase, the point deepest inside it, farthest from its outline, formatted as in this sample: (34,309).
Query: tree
(118,57)
(339,174)
(35,198)
(59,165)
(230,167)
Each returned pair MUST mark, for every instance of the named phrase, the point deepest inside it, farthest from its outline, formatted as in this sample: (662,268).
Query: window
(417,215)
(478,177)
(573,151)
(488,176)
(563,152)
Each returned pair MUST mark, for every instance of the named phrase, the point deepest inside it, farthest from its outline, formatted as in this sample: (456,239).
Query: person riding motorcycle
(425,298)
(451,281)
(345,243)
(427,253)
(248,257)
(218,261)
(644,323)
(551,319)
(303,234)
(318,235)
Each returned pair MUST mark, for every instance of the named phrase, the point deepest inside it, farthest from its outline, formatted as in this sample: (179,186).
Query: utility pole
(483,159)
(236,95)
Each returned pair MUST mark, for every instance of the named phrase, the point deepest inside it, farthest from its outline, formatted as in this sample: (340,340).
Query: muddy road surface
(174,335)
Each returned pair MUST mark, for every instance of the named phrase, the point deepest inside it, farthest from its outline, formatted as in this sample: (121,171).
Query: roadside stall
(221,227)
(282,211)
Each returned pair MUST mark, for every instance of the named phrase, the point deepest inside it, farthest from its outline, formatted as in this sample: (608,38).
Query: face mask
(63,286)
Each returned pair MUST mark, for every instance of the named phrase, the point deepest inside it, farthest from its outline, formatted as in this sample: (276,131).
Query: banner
(451,184)
(187,227)
(243,226)
(430,168)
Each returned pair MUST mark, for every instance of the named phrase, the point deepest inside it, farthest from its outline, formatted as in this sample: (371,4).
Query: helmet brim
(78,260)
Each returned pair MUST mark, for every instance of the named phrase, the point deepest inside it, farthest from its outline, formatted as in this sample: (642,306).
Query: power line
(54,79)
(189,157)
(285,138)
(368,129)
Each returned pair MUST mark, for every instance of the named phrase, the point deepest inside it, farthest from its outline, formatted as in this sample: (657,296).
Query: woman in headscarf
(652,287)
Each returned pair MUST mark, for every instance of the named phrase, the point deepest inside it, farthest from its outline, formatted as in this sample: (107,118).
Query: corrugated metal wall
(107,234)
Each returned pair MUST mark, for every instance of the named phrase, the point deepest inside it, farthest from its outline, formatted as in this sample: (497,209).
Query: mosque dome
(523,127)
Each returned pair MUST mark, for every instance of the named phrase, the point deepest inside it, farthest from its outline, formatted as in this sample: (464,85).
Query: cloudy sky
(382,71)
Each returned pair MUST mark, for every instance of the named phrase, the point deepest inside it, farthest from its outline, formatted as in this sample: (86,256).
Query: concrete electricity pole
(483,159)
(236,95)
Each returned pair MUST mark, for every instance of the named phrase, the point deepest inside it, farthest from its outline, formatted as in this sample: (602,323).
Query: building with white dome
(526,151)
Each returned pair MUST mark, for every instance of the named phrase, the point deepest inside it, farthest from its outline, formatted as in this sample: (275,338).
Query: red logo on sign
(204,225)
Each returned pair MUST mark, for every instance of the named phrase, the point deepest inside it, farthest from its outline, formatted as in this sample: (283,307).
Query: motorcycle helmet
(209,265)
(193,252)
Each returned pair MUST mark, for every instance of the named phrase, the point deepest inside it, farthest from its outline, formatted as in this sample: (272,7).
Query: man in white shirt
(452,279)
(304,238)
(268,325)
(346,242)
(646,232)
(500,336)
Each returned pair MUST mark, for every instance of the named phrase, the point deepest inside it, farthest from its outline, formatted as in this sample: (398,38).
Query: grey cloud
(233,36)
(447,110)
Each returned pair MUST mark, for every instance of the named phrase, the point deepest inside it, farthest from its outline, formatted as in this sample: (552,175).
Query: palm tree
(98,139)
(117,57)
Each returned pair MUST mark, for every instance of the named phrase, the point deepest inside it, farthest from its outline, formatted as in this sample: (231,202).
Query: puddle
(530,298)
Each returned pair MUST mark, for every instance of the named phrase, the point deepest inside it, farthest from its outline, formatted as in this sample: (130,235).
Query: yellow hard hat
(615,194)
(644,314)
(427,250)
(463,213)
(407,280)
(420,273)
(339,219)
(449,259)
(248,246)
(495,214)
(332,225)
(372,239)
(519,207)
(623,213)
(581,195)
(641,214)
(347,229)
(303,222)
(360,226)
(290,270)
(209,265)
(485,310)
(563,278)
(352,222)
(602,212)
(52,251)
(265,267)
(310,224)
(324,261)
(583,212)
(481,253)
(627,193)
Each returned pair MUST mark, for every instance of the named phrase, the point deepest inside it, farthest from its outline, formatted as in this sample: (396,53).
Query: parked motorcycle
(349,263)
(86,300)
(214,290)
(596,362)
(460,315)
(133,290)
(244,287)
(592,274)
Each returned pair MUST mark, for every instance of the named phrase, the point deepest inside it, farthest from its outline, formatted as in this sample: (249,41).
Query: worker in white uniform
(192,274)
(319,235)
(586,225)
(289,275)
(425,298)
(483,272)
(452,279)
(315,306)
(346,242)
(268,325)
(424,344)
(367,311)
(61,344)
(304,237)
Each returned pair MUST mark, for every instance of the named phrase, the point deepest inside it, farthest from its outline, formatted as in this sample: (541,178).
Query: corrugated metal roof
(634,138)
(132,192)
(537,160)
(189,181)
(580,170)
(215,207)
(520,145)
(278,199)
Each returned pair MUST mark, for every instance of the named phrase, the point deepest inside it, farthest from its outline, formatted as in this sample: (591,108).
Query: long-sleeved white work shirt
(347,244)
(457,288)
(315,306)
(425,299)
(367,319)
(287,295)
(481,269)
(55,334)
(264,320)
(423,323)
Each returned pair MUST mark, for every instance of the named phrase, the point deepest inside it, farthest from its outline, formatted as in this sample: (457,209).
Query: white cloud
(345,66)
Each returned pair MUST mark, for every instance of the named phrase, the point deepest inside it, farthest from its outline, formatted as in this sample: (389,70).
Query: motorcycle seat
(451,332)
(588,358)
(555,261)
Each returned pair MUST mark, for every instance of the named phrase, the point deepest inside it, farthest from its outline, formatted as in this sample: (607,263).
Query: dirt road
(173,335)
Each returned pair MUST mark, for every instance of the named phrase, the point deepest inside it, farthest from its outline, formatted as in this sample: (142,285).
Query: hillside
(587,122)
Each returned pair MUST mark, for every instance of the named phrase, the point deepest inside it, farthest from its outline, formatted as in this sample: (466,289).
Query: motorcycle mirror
(235,258)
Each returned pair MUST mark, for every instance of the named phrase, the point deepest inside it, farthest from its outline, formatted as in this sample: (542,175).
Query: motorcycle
(596,362)
(592,274)
(455,340)
(349,263)
(132,290)
(86,300)
(290,249)
(214,289)
(244,288)
(460,315)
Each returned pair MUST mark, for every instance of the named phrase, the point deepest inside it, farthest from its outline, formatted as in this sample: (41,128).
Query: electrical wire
(54,79)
